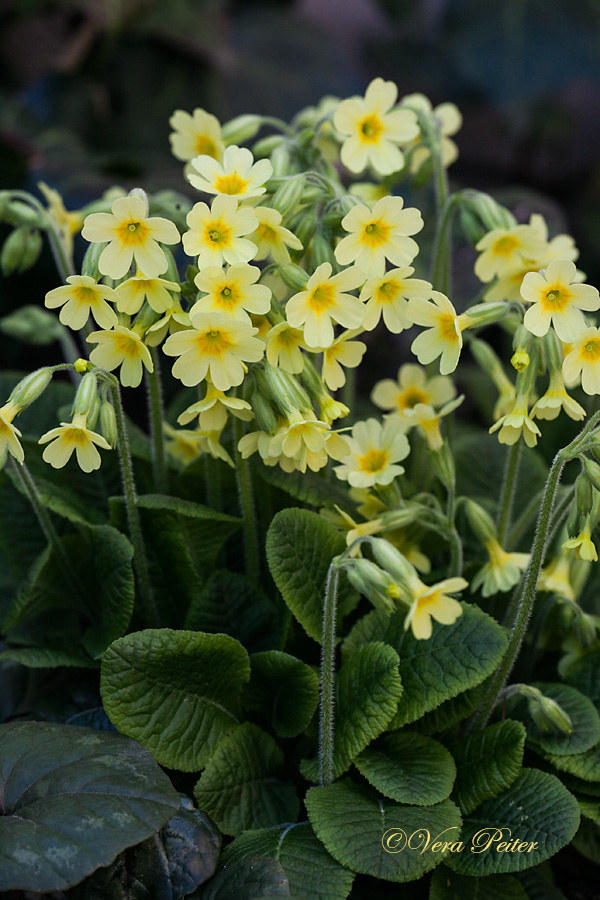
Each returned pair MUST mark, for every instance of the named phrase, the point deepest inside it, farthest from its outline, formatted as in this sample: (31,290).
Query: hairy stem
(160,470)
(246,498)
(507,493)
(327,704)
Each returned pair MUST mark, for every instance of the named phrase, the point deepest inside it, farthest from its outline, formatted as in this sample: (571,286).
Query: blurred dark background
(87,88)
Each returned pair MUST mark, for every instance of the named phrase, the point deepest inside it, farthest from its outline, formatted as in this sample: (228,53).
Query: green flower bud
(30,388)
(241,129)
(583,494)
(585,630)
(86,395)
(485,314)
(391,560)
(89,265)
(288,195)
(491,213)
(294,276)
(305,226)
(266,145)
(443,465)
(108,422)
(471,225)
(375,585)
(548,715)
(22,213)
(141,194)
(20,250)
(592,472)
(32,325)
(480,521)
(321,251)
(281,160)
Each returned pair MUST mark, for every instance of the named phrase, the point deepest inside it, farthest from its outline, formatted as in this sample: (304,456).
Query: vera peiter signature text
(500,840)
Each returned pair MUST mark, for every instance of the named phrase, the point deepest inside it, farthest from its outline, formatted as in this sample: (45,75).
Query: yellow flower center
(322,297)
(287,338)
(126,345)
(411,396)
(447,327)
(375,234)
(206,146)
(75,435)
(266,233)
(555,299)
(388,291)
(133,234)
(218,234)
(370,129)
(212,343)
(85,295)
(505,245)
(228,297)
(373,461)
(592,349)
(230,184)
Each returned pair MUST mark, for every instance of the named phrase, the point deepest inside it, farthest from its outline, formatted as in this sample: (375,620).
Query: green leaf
(449,885)
(487,763)
(479,458)
(585,722)
(173,863)
(183,540)
(45,658)
(368,687)
(538,883)
(230,603)
(357,825)
(312,873)
(238,787)
(584,674)
(300,548)
(60,500)
(583,765)
(60,785)
(536,812)
(21,537)
(176,692)
(309,487)
(587,840)
(283,689)
(455,658)
(247,879)
(451,712)
(409,768)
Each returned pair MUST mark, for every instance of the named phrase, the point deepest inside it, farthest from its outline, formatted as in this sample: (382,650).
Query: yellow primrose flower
(501,572)
(257,441)
(238,175)
(343,352)
(583,545)
(504,249)
(232,292)
(9,434)
(215,234)
(173,320)
(212,410)
(379,234)
(515,423)
(388,296)
(303,432)
(182,444)
(443,336)
(132,293)
(353,529)
(555,399)
(131,235)
(70,436)
(449,120)
(271,237)
(68,223)
(557,299)
(373,131)
(121,347)
(284,348)
(368,192)
(584,359)
(81,296)
(215,346)
(325,300)
(194,135)
(428,420)
(433,602)
(375,450)
(556,577)
(411,387)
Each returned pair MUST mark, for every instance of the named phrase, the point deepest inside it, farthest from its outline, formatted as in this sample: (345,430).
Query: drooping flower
(375,451)
(123,347)
(428,420)
(302,439)
(344,352)
(73,436)
(232,292)
(584,359)
(388,296)
(583,544)
(10,434)
(284,348)
(215,346)
(449,121)
(68,222)
(517,423)
(379,234)
(237,175)
(505,249)
(195,135)
(213,408)
(353,529)
(556,398)
(324,301)
(373,131)
(501,572)
(216,232)
(81,296)
(433,602)
(411,387)
(558,299)
(132,235)
(271,238)
(132,293)
(443,335)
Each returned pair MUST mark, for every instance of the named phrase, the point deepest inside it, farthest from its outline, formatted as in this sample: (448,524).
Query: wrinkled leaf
(284,689)
(487,763)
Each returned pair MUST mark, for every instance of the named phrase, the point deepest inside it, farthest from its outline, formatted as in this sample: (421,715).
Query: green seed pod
(294,276)
(391,560)
(241,129)
(549,716)
(86,395)
(108,422)
(374,584)
(287,197)
(20,251)
(30,388)
(584,494)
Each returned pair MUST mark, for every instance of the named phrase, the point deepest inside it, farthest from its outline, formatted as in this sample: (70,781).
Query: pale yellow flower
(433,602)
(132,235)
(215,346)
(373,131)
(69,223)
(583,545)
(517,423)
(271,238)
(501,572)
(379,234)
(216,233)
(302,438)
(411,387)
(183,444)
(121,347)
(428,420)
(284,348)
(449,121)
(9,434)
(556,398)
(375,451)
(557,299)
(343,352)
(388,296)
(81,296)
(132,293)
(584,359)
(353,529)
(173,320)
(213,408)
(556,577)
(237,175)
(443,336)
(232,292)
(73,436)
(324,301)
(505,249)
(196,134)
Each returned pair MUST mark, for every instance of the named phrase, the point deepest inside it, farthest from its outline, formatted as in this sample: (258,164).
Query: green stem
(327,706)
(440,276)
(246,498)
(64,264)
(140,560)
(507,493)
(160,470)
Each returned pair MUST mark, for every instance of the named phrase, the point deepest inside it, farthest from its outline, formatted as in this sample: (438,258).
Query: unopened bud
(486,313)
(471,225)
(520,360)
(30,388)
(491,213)
(443,465)
(321,251)
(280,160)
(266,145)
(288,195)
(294,276)
(285,390)
(584,494)
(89,265)
(32,325)
(592,472)
(86,395)
(548,715)
(266,420)
(391,560)
(22,213)
(108,422)
(20,250)
(305,226)
(480,521)
(241,129)
(81,365)
(375,585)
(140,193)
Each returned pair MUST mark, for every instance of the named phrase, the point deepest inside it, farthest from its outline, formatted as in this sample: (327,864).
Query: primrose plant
(323,619)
